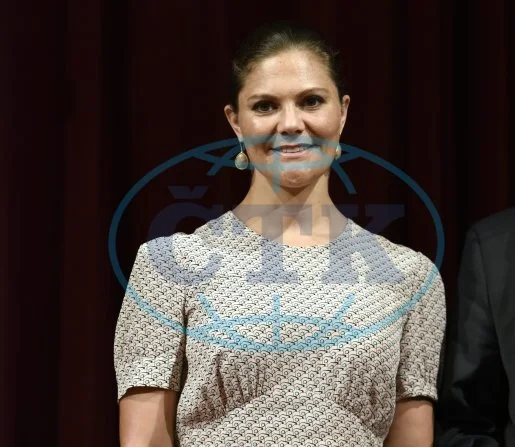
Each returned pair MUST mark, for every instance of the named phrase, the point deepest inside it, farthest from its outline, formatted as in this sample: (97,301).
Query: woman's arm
(420,348)
(147,418)
(412,425)
(149,356)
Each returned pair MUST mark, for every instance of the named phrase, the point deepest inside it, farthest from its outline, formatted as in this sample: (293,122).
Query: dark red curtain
(98,93)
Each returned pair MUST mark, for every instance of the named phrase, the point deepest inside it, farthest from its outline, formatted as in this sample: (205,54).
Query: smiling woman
(289,109)
(310,330)
(288,105)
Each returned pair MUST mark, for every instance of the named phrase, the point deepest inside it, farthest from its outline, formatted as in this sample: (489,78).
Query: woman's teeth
(292,149)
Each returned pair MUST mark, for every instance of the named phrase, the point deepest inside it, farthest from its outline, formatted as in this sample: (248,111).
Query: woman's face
(290,117)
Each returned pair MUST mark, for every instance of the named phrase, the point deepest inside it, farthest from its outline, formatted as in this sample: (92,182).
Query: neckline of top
(249,232)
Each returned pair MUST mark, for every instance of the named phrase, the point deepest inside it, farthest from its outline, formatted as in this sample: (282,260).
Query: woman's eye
(313,101)
(263,107)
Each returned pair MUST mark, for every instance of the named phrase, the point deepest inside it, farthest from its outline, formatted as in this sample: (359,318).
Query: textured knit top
(278,345)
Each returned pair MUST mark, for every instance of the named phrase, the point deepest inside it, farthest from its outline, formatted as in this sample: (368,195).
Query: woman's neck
(301,216)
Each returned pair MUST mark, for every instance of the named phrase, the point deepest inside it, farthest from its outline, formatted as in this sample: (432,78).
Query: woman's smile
(294,151)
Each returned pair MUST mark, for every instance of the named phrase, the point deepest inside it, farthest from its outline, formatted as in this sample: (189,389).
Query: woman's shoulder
(188,247)
(381,251)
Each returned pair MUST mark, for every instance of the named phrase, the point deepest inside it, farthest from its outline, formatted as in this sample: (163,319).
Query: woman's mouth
(292,151)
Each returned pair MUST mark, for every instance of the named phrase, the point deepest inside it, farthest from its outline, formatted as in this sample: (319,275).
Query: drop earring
(241,161)
(338,152)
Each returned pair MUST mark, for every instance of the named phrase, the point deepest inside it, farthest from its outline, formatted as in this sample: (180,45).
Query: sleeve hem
(144,373)
(426,391)
(122,390)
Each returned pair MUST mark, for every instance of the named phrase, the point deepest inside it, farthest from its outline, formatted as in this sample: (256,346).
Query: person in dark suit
(477,397)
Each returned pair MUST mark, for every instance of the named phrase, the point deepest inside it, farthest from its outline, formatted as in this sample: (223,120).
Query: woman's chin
(296,179)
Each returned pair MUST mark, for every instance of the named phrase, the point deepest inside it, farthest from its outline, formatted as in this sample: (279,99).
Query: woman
(301,328)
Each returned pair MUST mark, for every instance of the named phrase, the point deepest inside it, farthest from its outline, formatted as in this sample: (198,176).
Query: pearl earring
(241,161)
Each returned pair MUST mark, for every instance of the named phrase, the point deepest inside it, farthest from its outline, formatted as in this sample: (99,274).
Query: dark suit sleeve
(471,392)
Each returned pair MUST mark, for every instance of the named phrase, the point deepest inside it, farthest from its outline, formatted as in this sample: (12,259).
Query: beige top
(278,345)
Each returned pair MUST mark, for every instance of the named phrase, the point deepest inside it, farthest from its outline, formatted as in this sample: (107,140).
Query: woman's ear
(232,117)
(345,108)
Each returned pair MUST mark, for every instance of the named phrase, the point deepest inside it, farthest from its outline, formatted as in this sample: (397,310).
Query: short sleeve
(422,335)
(150,335)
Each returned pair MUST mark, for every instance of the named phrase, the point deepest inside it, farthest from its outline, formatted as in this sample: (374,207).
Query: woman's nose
(290,121)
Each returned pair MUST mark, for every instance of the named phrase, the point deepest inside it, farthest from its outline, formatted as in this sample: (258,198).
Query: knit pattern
(277,345)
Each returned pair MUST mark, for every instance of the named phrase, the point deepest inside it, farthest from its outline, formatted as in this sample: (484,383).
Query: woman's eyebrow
(302,93)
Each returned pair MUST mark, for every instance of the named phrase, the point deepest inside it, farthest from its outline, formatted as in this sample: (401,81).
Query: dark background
(97,93)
